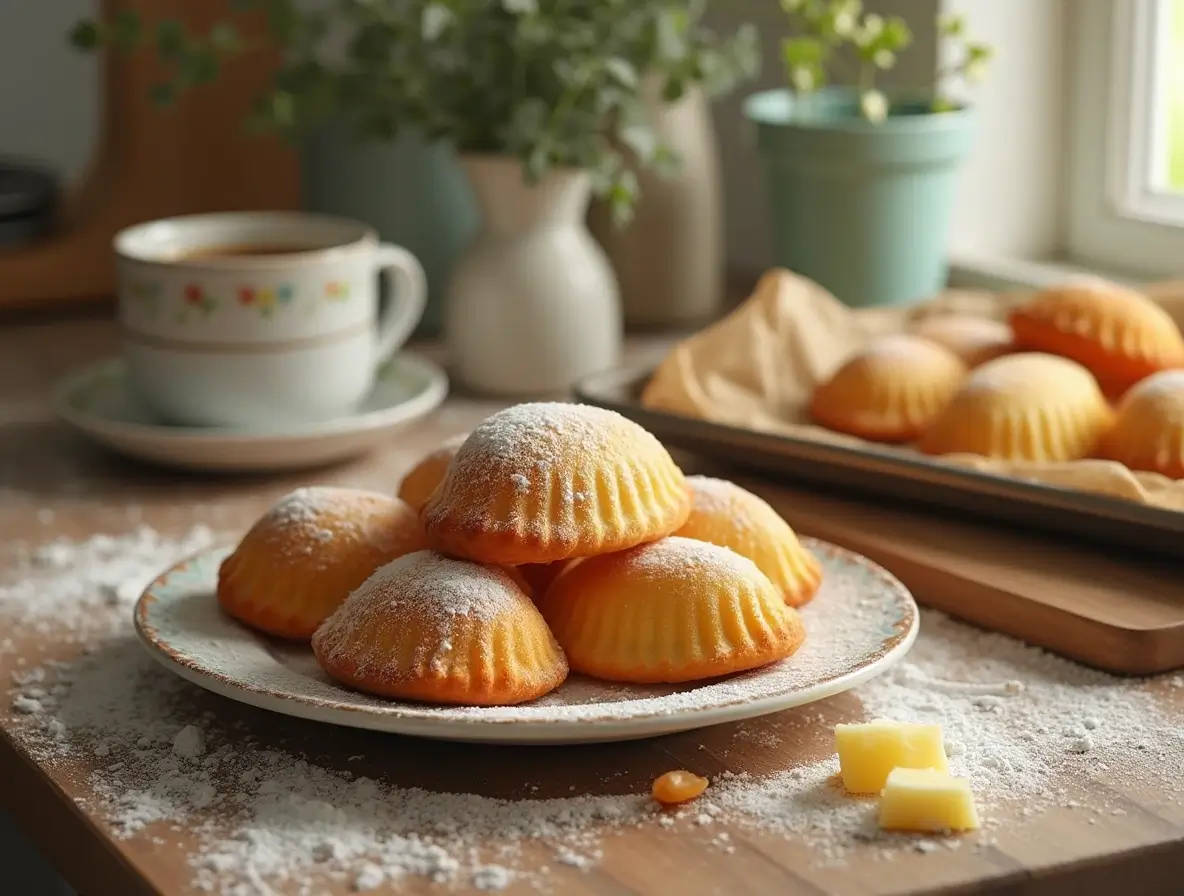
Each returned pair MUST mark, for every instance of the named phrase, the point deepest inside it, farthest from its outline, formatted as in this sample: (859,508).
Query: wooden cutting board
(1116,611)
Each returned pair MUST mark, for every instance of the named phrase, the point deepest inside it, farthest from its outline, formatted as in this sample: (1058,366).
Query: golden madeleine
(669,611)
(1023,407)
(549,481)
(429,628)
(890,390)
(1118,334)
(421,480)
(725,514)
(304,556)
(1148,433)
(975,340)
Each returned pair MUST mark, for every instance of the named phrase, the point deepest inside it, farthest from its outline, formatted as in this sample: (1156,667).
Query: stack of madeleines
(1085,370)
(552,537)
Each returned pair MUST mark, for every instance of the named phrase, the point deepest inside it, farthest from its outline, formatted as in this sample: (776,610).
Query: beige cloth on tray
(757,368)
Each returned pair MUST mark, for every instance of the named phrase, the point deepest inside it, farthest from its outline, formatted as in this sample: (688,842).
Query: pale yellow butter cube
(928,801)
(870,750)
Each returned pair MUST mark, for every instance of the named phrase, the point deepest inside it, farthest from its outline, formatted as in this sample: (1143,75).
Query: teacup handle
(405,306)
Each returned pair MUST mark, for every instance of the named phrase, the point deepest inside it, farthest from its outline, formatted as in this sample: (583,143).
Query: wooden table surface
(43,466)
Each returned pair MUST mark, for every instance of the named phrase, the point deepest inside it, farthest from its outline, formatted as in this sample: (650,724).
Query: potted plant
(861,180)
(541,98)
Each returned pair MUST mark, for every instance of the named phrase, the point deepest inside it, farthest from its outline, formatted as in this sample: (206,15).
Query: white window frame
(1113,220)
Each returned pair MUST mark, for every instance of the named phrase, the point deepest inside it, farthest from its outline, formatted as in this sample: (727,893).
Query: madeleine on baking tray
(1149,432)
(670,611)
(421,480)
(426,627)
(727,515)
(975,340)
(308,552)
(1028,406)
(890,390)
(550,481)
(1120,335)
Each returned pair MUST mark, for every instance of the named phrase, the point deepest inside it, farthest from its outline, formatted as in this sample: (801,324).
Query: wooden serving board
(1116,611)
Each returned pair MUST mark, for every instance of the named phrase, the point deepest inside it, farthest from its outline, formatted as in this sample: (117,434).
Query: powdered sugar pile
(1021,724)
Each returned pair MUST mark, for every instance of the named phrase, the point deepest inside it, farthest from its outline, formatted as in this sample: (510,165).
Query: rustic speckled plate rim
(899,614)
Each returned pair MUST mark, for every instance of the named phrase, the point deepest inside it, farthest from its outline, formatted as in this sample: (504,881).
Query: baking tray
(891,474)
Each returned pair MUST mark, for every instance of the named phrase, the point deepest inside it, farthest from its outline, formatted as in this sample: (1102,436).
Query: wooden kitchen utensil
(1114,610)
(153,163)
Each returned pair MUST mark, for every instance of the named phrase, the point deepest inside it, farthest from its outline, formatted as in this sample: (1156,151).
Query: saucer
(97,402)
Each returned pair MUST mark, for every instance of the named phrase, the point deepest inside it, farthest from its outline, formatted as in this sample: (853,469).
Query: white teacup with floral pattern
(260,319)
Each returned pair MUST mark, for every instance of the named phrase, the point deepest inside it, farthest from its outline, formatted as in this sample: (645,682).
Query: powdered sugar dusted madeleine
(1028,406)
(421,480)
(308,552)
(1149,432)
(890,390)
(430,628)
(549,481)
(670,611)
(975,340)
(725,514)
(1120,335)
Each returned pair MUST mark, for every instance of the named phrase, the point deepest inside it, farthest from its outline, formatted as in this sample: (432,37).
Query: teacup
(260,319)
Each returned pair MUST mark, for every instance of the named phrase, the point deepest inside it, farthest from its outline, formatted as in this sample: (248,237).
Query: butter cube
(869,751)
(927,800)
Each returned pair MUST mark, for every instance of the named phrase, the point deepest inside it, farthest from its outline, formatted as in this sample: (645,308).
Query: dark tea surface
(240,250)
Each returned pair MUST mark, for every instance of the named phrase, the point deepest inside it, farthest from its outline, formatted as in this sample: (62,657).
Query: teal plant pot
(412,192)
(862,209)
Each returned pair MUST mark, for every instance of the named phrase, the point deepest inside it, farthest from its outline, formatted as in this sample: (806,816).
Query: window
(1125,202)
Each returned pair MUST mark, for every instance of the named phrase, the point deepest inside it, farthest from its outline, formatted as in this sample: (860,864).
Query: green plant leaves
(823,27)
(557,84)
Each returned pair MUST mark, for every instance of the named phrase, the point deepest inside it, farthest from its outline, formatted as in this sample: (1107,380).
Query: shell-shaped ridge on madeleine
(428,472)
(1148,433)
(431,628)
(889,390)
(1029,406)
(670,611)
(549,481)
(304,556)
(1121,335)
(725,514)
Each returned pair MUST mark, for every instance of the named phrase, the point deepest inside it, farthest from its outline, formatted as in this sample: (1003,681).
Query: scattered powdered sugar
(160,755)
(304,520)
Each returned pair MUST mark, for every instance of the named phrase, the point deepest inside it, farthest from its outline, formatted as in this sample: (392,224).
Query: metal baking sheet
(899,476)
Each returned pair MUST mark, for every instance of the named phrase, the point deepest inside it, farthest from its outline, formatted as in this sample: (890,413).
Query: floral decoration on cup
(197,297)
(337,290)
(265,299)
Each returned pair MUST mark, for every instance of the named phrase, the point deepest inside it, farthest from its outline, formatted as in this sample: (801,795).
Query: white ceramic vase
(669,259)
(532,304)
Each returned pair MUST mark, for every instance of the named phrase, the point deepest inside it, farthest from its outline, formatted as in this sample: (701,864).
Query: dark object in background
(28,202)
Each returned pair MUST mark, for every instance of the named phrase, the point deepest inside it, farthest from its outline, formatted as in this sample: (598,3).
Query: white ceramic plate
(861,623)
(97,402)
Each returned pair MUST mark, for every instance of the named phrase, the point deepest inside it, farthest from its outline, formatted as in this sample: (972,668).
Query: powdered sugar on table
(262,816)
